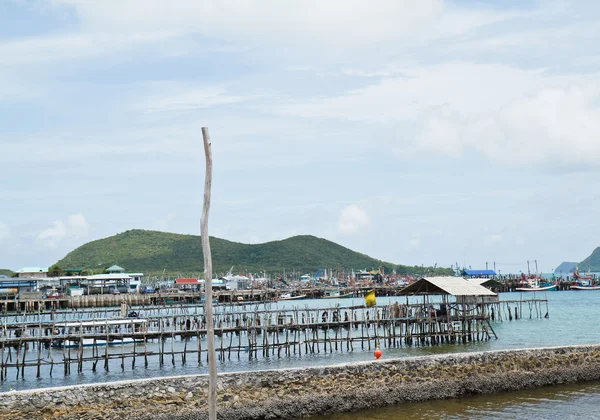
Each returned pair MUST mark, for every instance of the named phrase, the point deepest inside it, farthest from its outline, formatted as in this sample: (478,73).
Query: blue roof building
(479,273)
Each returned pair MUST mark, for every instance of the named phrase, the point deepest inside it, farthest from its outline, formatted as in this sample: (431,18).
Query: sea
(573,318)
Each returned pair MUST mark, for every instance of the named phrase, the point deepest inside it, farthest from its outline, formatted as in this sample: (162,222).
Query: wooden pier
(176,333)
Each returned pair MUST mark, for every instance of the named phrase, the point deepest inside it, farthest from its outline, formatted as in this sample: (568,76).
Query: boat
(336,294)
(101,327)
(289,296)
(584,282)
(582,287)
(535,285)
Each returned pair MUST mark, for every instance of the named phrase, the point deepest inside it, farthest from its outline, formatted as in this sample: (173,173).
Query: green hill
(6,272)
(152,252)
(591,263)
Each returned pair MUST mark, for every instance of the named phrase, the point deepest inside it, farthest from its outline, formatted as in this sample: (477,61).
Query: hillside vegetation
(153,252)
(591,263)
(6,272)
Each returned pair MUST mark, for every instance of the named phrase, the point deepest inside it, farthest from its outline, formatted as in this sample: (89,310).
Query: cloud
(336,18)
(4,232)
(352,219)
(349,23)
(555,125)
(56,48)
(506,113)
(75,227)
(187,98)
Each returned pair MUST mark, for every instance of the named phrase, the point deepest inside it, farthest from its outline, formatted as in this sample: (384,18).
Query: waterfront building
(33,273)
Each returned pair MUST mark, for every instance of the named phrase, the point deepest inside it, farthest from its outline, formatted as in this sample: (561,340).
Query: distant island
(153,252)
(591,263)
(566,267)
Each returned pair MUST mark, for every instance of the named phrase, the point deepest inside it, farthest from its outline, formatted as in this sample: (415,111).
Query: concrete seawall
(299,392)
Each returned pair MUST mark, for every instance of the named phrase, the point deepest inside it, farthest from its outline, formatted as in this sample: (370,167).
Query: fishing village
(76,325)
(392,215)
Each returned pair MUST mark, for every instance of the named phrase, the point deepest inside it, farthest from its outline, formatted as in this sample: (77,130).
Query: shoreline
(301,392)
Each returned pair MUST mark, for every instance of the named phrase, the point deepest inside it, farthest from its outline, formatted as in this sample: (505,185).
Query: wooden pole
(212,367)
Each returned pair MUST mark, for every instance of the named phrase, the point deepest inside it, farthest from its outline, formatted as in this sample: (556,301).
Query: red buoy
(377,353)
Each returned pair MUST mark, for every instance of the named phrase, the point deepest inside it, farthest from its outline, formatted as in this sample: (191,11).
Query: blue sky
(416,132)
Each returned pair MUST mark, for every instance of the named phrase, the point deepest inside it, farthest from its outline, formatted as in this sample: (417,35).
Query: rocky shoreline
(302,392)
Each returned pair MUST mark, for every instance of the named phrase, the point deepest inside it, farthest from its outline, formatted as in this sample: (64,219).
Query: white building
(33,273)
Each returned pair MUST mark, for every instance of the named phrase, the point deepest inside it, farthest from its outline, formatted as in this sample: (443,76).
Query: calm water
(573,320)
(579,401)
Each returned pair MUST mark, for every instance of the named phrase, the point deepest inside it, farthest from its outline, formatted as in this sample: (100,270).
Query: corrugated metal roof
(455,286)
(479,280)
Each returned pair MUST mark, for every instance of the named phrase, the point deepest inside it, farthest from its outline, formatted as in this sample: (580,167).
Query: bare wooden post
(212,367)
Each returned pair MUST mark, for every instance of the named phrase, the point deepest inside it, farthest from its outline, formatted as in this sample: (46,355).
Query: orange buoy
(377,353)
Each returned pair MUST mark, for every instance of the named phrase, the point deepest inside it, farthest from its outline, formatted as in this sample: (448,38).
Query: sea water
(573,319)
(573,401)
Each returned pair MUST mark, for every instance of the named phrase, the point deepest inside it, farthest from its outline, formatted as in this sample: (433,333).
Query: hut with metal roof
(465,317)
(455,286)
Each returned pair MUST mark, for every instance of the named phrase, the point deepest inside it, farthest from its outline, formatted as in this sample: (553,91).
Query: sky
(430,132)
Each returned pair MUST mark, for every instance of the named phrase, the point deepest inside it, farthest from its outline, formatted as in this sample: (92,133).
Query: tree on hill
(55,271)
(591,263)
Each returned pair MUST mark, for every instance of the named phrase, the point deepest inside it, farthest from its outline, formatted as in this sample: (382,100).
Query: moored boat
(584,282)
(580,287)
(336,294)
(289,296)
(535,285)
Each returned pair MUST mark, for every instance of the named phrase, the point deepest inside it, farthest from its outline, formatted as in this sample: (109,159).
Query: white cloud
(348,23)
(555,125)
(50,49)
(186,98)
(506,113)
(337,19)
(75,227)
(352,219)
(463,87)
(4,232)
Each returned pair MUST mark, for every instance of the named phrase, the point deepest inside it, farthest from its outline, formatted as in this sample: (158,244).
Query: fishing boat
(584,287)
(336,294)
(583,282)
(289,296)
(100,327)
(535,285)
